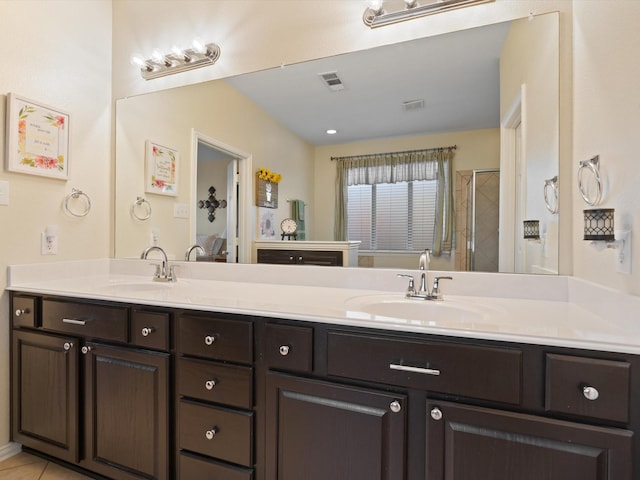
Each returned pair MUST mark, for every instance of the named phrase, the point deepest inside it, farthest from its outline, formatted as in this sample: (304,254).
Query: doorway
(220,216)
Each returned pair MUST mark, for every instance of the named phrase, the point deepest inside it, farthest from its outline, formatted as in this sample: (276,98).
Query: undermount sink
(428,312)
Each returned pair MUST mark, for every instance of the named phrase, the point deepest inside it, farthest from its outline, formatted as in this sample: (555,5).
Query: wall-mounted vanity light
(598,224)
(179,60)
(599,228)
(531,229)
(386,12)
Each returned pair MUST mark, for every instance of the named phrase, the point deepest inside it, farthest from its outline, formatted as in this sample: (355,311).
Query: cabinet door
(126,412)
(318,431)
(45,393)
(471,443)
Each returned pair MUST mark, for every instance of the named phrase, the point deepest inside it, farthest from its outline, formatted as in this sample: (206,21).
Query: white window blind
(397,217)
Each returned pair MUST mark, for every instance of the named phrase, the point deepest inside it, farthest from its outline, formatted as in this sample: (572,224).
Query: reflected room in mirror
(491,91)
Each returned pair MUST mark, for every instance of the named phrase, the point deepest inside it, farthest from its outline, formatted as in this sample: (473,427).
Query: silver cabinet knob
(395,406)
(85,349)
(284,350)
(209,339)
(67,346)
(209,434)
(146,331)
(436,413)
(590,393)
(209,384)
(21,311)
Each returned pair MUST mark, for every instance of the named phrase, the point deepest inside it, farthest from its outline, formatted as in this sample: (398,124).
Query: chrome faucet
(423,265)
(424,293)
(191,249)
(164,272)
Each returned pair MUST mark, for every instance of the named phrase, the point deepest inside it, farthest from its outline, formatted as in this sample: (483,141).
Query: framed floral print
(161,171)
(37,138)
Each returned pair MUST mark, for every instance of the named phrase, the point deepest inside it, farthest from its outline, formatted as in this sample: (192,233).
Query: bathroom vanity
(164,381)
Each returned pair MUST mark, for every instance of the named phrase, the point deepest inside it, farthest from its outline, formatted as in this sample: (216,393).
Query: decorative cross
(212,203)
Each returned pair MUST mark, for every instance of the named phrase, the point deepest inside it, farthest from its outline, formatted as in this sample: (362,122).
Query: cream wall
(49,55)
(220,112)
(606,123)
(476,149)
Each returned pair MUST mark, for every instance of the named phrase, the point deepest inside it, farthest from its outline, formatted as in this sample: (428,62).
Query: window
(396,217)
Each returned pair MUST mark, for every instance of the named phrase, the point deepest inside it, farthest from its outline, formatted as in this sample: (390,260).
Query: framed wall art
(37,138)
(161,169)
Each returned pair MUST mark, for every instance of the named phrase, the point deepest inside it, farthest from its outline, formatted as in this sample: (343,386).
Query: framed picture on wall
(161,169)
(37,138)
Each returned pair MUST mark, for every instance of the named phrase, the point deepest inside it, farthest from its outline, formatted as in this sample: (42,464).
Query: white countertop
(563,312)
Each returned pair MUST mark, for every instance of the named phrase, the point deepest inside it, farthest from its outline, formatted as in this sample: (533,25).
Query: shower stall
(478,220)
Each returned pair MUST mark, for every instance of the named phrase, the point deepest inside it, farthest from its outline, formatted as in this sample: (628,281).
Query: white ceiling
(457,76)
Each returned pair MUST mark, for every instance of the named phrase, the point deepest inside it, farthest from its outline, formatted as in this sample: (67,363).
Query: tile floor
(25,466)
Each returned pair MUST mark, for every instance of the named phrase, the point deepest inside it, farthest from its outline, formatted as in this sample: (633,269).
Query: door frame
(246,210)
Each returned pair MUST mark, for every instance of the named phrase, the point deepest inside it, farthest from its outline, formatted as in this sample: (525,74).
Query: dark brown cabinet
(214,398)
(102,406)
(126,412)
(45,393)
(133,392)
(473,443)
(318,430)
(300,257)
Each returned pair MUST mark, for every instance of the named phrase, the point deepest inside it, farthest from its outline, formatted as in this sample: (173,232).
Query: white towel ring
(593,165)
(140,204)
(551,201)
(75,194)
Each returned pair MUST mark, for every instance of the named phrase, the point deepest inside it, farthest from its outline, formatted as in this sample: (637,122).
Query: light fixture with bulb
(200,54)
(386,12)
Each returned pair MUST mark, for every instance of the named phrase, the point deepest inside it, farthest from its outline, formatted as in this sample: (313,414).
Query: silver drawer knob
(85,349)
(146,331)
(590,393)
(284,350)
(209,434)
(395,406)
(21,311)
(209,339)
(67,346)
(209,384)
(436,413)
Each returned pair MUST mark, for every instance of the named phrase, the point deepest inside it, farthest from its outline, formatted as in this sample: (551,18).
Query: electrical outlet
(49,240)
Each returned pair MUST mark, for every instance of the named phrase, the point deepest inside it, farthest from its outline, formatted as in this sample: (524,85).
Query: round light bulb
(199,46)
(332,131)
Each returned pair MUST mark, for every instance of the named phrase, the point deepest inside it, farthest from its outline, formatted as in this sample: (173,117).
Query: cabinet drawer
(215,382)
(23,311)
(217,338)
(86,320)
(192,467)
(289,347)
(150,329)
(217,432)
(486,373)
(606,381)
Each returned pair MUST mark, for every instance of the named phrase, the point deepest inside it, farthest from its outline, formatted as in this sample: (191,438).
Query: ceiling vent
(332,81)
(411,105)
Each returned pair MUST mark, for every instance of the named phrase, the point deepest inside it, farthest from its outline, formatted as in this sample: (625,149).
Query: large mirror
(491,91)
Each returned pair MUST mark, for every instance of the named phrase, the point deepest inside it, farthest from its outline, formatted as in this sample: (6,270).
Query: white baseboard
(9,450)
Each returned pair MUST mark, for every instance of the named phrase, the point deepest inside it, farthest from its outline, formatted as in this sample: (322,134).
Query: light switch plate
(180,210)
(4,192)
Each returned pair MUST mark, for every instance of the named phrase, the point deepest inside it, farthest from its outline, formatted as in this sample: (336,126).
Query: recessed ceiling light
(332,131)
